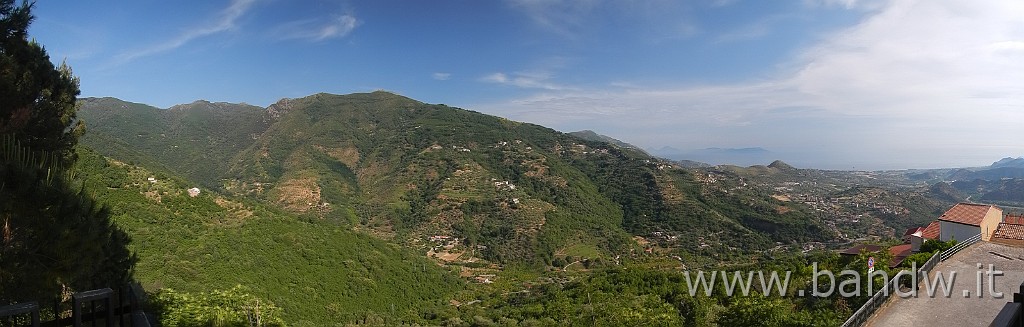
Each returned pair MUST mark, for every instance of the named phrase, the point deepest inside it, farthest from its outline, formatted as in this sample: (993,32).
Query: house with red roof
(931,232)
(910,233)
(962,221)
(1014,218)
(898,252)
(1009,234)
(965,220)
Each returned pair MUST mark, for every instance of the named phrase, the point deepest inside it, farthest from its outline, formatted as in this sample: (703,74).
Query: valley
(377,194)
(470,180)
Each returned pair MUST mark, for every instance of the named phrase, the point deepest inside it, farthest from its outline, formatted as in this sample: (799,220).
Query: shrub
(931,246)
(234,307)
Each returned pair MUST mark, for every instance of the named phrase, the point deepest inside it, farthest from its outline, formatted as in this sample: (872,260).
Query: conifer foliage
(37,99)
(53,237)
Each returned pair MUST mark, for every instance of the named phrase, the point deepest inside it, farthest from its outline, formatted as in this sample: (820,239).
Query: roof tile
(856,249)
(1009,231)
(932,231)
(1014,219)
(899,252)
(967,213)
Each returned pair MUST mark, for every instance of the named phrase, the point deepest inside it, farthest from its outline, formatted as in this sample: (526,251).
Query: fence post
(91,296)
(56,308)
(31,308)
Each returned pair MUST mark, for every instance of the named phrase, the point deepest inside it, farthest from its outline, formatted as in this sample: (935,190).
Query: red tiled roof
(1014,219)
(932,231)
(1009,231)
(912,231)
(966,213)
(899,252)
(856,249)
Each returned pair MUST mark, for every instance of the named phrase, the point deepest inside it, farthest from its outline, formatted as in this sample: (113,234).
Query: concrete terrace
(958,310)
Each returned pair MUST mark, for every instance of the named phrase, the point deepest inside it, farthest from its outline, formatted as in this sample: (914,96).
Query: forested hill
(197,140)
(417,173)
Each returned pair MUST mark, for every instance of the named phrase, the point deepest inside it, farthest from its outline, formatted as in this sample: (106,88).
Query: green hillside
(317,274)
(320,274)
(590,135)
(195,140)
(414,172)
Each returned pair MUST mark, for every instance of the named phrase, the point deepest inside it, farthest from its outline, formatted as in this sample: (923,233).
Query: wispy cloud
(319,29)
(441,76)
(849,4)
(915,82)
(758,29)
(226,21)
(579,19)
(526,80)
(562,17)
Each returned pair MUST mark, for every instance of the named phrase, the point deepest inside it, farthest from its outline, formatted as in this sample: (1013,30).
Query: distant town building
(193,192)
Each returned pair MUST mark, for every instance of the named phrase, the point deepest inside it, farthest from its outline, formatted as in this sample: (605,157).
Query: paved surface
(958,309)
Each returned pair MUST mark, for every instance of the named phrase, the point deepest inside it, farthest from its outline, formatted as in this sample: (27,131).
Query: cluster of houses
(504,186)
(961,222)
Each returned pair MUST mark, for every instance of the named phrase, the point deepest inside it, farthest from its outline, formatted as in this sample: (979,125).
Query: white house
(965,220)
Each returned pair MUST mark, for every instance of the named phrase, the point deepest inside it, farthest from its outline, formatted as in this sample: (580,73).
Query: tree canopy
(53,236)
(37,99)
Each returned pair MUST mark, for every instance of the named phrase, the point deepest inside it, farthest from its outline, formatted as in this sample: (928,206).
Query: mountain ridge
(594,136)
(408,171)
(1009,162)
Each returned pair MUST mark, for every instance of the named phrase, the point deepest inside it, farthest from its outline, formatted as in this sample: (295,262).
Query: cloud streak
(441,76)
(526,80)
(581,20)
(560,17)
(319,30)
(226,21)
(756,30)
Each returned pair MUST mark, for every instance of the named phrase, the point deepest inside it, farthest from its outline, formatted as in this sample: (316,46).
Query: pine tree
(37,99)
(53,236)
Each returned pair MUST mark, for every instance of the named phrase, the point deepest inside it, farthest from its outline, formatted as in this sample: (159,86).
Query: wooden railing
(120,308)
(20,309)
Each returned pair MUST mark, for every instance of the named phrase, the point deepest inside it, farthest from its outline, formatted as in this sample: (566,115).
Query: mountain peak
(1009,162)
(779,164)
(211,106)
(590,135)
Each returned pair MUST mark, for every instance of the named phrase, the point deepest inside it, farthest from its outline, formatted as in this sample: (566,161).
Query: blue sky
(870,84)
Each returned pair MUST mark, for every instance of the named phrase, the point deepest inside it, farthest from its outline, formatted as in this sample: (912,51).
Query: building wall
(991,222)
(950,230)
